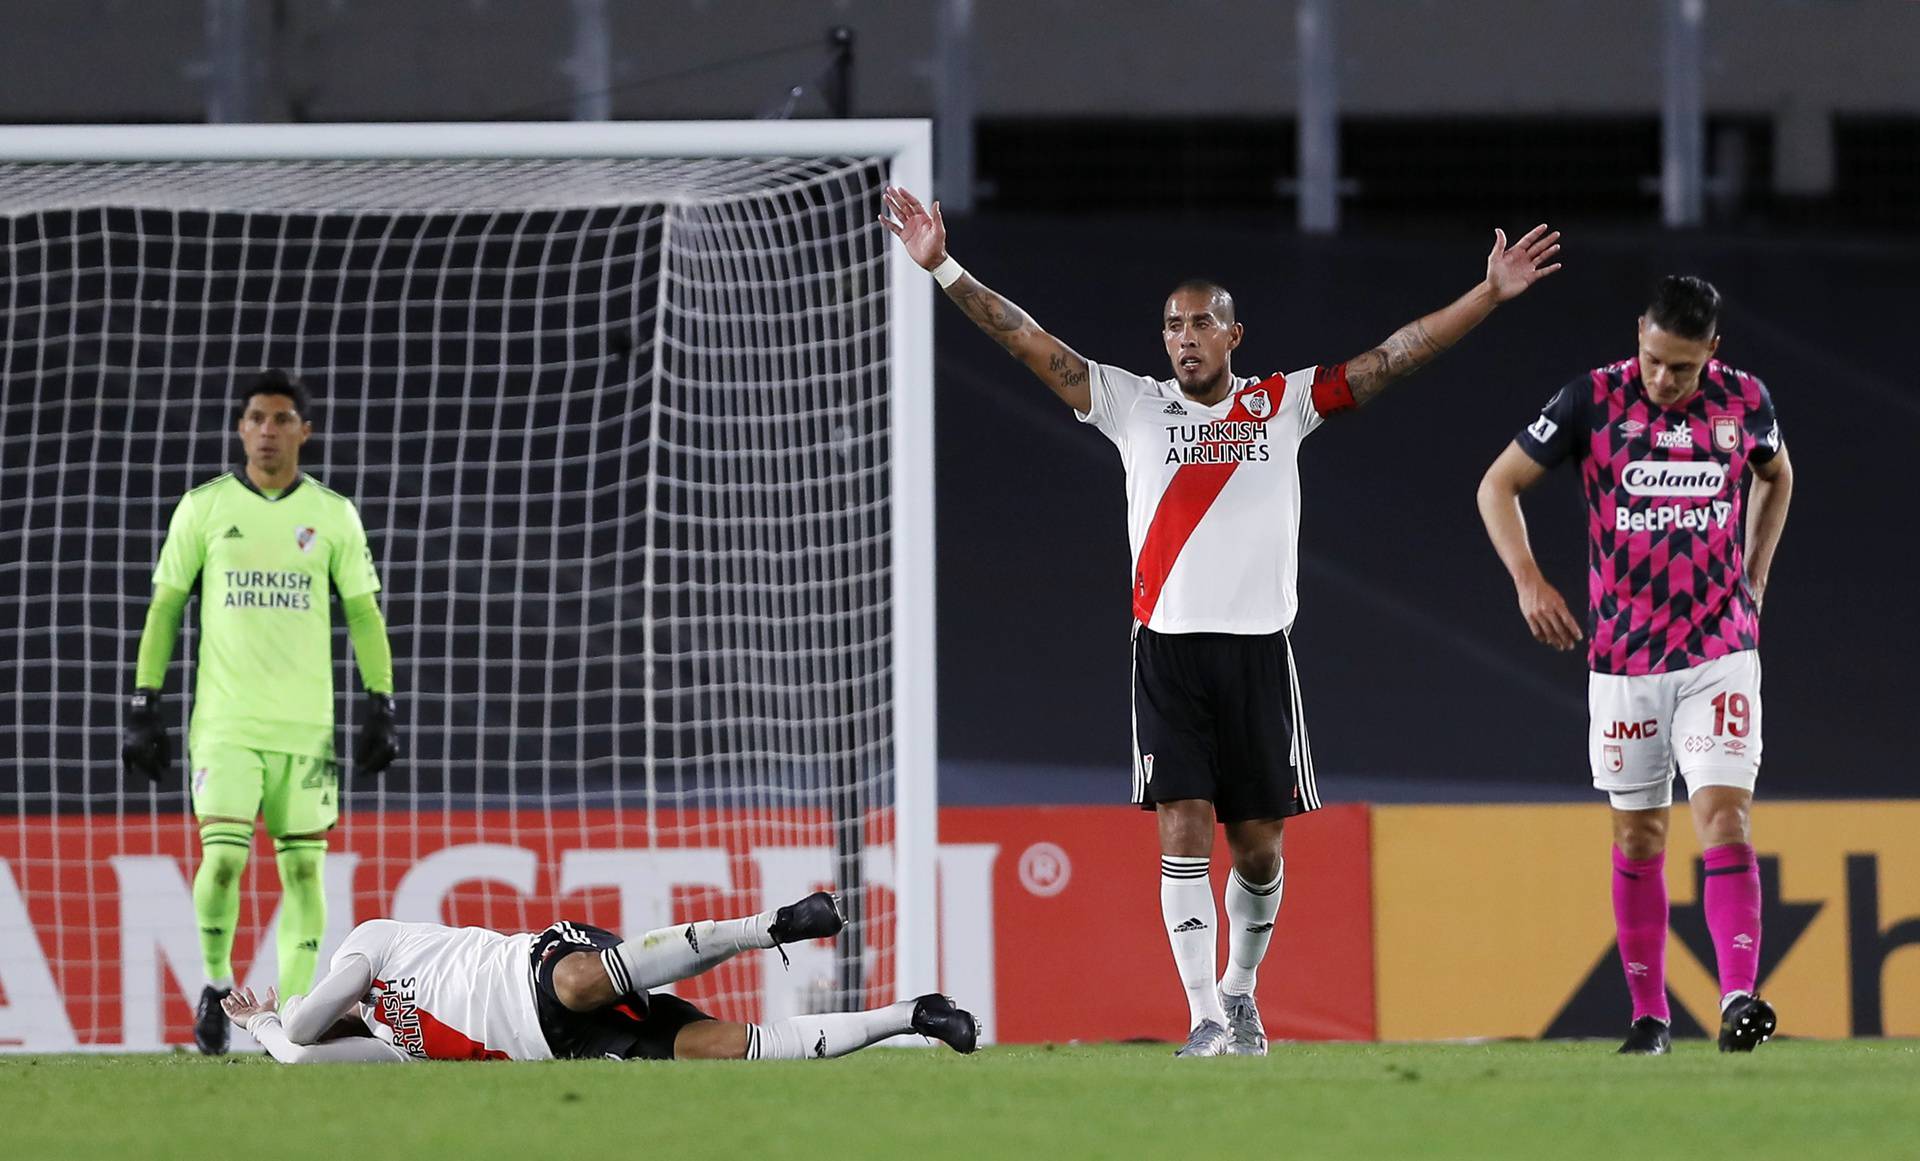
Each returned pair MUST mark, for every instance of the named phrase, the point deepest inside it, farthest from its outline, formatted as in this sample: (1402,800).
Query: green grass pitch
(1809,1101)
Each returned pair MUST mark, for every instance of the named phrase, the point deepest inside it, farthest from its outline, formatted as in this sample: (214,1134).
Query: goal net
(638,418)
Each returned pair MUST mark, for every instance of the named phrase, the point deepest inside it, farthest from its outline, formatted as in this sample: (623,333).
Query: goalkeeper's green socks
(216,895)
(303,911)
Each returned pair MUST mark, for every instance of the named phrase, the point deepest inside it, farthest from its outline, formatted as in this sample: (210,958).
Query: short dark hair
(274,381)
(1211,289)
(1685,306)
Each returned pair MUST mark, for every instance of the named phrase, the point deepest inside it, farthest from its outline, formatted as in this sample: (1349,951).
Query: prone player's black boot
(1647,1036)
(210,1026)
(1747,1023)
(937,1017)
(815,917)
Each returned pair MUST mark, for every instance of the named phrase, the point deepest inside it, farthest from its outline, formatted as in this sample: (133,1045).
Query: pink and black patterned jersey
(1665,490)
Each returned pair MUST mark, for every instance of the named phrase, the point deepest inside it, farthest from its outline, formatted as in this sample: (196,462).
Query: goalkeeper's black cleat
(210,1025)
(1747,1023)
(815,917)
(936,1017)
(1648,1036)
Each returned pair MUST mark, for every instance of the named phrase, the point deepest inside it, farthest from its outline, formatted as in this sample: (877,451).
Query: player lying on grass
(398,992)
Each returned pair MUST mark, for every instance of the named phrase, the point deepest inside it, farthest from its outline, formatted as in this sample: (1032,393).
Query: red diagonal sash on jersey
(433,1040)
(1189,495)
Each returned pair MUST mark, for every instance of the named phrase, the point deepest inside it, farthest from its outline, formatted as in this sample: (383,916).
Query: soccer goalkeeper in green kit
(265,545)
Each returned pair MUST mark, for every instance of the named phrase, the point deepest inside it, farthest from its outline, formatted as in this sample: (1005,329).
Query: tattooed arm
(1510,271)
(1059,366)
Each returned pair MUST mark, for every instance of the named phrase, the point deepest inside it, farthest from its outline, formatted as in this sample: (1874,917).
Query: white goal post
(669,584)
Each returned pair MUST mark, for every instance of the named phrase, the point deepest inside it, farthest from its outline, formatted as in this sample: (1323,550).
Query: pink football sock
(1640,916)
(1733,915)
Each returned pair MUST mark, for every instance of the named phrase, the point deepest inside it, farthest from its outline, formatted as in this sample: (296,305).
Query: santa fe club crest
(1614,759)
(304,537)
(1257,403)
(1726,432)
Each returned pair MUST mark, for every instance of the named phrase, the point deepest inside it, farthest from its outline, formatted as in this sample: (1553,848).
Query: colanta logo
(1662,478)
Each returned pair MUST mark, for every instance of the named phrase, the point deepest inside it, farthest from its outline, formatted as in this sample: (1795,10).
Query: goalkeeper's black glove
(379,740)
(147,749)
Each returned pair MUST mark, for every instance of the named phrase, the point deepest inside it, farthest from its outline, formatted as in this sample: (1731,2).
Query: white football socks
(1186,904)
(1251,908)
(828,1034)
(683,951)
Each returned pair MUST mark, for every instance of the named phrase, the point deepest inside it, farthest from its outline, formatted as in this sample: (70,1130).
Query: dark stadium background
(1122,146)
(1421,682)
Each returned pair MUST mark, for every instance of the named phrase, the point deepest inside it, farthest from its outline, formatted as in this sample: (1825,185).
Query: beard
(1201,388)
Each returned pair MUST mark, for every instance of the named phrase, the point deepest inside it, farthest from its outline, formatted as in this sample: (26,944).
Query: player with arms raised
(1677,564)
(1213,513)
(265,546)
(399,992)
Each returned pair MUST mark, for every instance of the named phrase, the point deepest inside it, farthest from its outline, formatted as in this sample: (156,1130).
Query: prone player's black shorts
(1217,716)
(639,1027)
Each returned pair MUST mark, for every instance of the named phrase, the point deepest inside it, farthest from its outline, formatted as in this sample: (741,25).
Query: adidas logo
(1193,924)
(820,1047)
(233,533)
(692,941)
(1259,928)
(1174,408)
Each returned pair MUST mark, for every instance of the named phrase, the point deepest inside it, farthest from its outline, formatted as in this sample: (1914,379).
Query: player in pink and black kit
(1677,564)
(1213,517)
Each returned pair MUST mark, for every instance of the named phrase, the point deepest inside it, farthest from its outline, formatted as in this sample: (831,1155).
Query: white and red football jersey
(1213,493)
(449,993)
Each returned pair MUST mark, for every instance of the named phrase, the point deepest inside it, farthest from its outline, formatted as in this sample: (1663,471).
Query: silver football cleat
(1208,1038)
(1246,1035)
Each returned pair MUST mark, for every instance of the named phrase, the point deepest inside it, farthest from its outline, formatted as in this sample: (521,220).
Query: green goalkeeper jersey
(265,569)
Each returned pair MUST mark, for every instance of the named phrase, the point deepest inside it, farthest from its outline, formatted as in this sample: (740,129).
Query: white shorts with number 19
(1705,721)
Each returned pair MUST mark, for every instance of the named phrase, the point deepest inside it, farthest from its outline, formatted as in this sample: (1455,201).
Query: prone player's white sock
(683,951)
(1186,904)
(1250,911)
(828,1034)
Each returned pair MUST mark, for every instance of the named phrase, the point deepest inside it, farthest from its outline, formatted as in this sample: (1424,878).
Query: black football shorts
(1216,716)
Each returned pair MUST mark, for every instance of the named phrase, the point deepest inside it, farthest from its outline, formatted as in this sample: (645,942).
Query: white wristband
(948,272)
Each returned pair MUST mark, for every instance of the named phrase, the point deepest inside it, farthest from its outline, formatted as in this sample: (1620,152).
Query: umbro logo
(1193,924)
(1173,408)
(1259,928)
(233,533)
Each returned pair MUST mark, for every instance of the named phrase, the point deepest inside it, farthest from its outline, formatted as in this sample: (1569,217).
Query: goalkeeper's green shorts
(298,794)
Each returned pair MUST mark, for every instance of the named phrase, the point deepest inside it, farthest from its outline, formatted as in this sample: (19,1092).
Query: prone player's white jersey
(1213,493)
(448,993)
